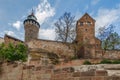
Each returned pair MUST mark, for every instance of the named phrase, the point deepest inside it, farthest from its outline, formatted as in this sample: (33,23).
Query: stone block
(76,74)
(88,73)
(85,78)
(101,73)
(98,78)
(38,68)
(57,71)
(45,76)
(69,69)
(113,78)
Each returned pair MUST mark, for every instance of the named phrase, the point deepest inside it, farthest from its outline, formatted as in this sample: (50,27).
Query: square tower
(85,36)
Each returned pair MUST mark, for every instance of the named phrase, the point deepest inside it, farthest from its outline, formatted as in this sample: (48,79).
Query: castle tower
(85,29)
(31,27)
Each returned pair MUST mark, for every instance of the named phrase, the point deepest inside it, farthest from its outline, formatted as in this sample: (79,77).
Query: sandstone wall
(110,54)
(31,72)
(58,48)
(1,40)
(9,39)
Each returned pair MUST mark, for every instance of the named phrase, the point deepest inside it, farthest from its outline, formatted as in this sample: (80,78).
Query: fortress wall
(53,47)
(1,40)
(9,39)
(31,72)
(109,54)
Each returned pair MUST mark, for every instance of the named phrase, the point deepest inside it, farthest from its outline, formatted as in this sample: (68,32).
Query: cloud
(11,33)
(94,2)
(106,17)
(44,11)
(17,24)
(47,34)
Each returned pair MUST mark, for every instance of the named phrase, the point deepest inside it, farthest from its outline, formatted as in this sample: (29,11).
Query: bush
(116,62)
(87,62)
(73,58)
(105,61)
(13,52)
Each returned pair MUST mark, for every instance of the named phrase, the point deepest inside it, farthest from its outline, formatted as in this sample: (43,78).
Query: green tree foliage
(13,53)
(110,39)
(87,62)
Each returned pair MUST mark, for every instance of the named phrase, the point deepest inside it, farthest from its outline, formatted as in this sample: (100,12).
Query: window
(88,23)
(85,29)
(81,23)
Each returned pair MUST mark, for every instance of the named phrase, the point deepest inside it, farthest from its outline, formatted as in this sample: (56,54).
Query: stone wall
(109,54)
(9,39)
(1,40)
(31,72)
(59,48)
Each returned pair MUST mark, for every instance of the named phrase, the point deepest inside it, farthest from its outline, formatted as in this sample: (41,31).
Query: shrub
(105,61)
(73,58)
(116,62)
(13,52)
(87,62)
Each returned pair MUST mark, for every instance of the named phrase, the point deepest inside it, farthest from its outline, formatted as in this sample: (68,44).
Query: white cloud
(17,24)
(94,2)
(44,11)
(106,17)
(47,34)
(11,33)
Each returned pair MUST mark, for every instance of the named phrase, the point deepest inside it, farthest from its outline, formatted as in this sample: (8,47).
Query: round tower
(31,27)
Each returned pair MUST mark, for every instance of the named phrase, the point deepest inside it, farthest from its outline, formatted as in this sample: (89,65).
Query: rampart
(108,54)
(59,48)
(83,72)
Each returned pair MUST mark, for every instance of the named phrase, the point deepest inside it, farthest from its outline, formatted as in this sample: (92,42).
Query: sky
(14,12)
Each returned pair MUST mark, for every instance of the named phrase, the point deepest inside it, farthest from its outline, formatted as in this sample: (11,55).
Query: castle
(86,45)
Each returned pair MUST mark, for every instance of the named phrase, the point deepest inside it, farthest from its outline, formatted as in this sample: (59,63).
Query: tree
(65,28)
(13,53)
(109,38)
(113,40)
(104,32)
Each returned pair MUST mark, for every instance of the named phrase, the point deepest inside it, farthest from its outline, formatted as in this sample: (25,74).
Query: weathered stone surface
(1,40)
(98,78)
(18,73)
(58,48)
(101,73)
(76,74)
(113,78)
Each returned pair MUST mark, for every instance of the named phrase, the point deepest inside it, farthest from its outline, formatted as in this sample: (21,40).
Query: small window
(88,23)
(81,23)
(85,29)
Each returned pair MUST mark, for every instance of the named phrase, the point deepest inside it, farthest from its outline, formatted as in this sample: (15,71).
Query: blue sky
(14,12)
